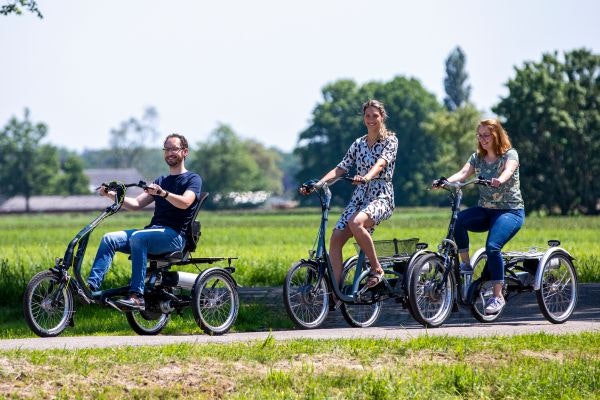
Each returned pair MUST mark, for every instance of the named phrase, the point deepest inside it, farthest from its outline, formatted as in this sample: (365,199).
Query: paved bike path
(522,316)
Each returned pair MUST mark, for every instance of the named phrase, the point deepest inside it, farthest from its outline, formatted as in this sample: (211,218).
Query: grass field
(536,366)
(266,244)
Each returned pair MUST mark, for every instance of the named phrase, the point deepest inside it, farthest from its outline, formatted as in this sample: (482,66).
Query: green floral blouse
(507,195)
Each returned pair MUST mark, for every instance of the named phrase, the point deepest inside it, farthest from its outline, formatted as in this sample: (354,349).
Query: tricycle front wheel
(47,304)
(305,296)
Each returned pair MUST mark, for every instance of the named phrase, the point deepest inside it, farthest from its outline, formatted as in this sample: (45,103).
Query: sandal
(375,279)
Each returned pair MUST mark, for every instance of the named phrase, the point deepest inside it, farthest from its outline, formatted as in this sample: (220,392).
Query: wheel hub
(46,305)
(430,290)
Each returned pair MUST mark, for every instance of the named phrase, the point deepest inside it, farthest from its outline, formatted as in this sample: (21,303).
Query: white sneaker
(494,305)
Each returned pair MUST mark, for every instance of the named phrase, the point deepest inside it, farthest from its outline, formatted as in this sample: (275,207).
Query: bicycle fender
(348,261)
(477,253)
(537,284)
(206,271)
(418,254)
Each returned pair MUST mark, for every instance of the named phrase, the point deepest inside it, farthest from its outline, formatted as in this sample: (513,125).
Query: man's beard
(171,162)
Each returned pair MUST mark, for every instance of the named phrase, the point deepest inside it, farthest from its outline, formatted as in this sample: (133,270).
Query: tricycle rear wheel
(482,291)
(430,298)
(215,301)
(358,315)
(557,295)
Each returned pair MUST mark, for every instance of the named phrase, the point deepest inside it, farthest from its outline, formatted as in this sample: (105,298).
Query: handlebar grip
(439,181)
(482,181)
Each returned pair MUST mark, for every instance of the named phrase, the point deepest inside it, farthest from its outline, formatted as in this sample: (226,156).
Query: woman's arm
(375,170)
(509,169)
(334,173)
(466,171)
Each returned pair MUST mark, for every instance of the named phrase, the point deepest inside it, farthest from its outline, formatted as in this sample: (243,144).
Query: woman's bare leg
(359,223)
(339,237)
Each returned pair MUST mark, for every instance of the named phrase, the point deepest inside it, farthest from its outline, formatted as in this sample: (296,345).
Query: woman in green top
(500,210)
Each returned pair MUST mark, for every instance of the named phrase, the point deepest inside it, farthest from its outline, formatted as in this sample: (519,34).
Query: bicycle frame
(77,247)
(322,256)
(448,249)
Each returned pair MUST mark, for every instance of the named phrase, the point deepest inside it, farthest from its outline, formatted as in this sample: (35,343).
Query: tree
(552,114)
(456,140)
(28,166)
(228,164)
(337,121)
(128,142)
(268,161)
(457,90)
(15,7)
(70,178)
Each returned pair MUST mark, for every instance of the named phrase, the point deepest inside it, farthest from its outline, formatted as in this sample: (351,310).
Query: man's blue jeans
(502,226)
(139,243)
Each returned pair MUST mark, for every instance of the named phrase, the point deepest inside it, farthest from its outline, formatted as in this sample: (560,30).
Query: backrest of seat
(193,231)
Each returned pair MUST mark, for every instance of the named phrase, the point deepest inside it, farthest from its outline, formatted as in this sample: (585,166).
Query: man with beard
(175,196)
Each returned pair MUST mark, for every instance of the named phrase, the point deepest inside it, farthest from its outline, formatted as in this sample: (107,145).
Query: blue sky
(258,66)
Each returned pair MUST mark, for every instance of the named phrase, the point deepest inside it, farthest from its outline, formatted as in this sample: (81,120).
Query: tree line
(551,114)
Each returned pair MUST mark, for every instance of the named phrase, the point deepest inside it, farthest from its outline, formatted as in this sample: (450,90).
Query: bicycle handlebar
(445,184)
(311,185)
(114,185)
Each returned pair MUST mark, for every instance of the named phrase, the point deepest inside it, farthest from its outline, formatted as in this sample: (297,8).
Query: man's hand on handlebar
(154,190)
(105,191)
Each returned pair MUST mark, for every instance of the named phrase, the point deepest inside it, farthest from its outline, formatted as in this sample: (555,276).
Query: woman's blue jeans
(502,226)
(139,243)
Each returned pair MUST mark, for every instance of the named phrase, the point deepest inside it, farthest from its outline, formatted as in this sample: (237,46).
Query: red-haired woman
(500,210)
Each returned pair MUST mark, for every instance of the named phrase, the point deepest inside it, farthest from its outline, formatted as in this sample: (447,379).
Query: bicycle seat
(192,236)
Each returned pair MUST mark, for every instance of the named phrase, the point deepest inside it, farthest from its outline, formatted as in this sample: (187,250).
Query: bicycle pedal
(363,290)
(83,296)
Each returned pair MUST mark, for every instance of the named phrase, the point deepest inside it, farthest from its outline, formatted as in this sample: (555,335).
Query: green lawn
(535,366)
(266,244)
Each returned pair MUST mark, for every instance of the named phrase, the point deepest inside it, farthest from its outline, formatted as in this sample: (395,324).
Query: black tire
(306,304)
(557,296)
(215,301)
(482,291)
(358,315)
(47,304)
(430,306)
(147,322)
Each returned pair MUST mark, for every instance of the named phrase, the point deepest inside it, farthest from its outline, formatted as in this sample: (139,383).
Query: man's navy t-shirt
(166,214)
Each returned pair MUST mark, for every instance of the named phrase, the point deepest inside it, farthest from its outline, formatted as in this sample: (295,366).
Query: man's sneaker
(494,305)
(134,303)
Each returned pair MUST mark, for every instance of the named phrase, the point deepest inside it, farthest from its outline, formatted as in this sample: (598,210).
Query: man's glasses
(172,149)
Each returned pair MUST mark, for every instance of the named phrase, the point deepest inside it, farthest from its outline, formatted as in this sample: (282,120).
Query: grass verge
(529,366)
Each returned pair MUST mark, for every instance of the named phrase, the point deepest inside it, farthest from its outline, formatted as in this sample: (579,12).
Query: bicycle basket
(393,247)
